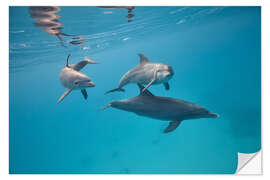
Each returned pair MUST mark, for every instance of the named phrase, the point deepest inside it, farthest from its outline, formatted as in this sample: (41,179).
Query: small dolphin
(162,108)
(146,73)
(72,79)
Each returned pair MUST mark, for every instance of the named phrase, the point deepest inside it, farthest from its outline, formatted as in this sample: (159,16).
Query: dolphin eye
(76,82)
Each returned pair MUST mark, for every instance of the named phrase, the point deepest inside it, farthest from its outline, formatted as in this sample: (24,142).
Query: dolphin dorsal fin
(145,92)
(67,60)
(143,59)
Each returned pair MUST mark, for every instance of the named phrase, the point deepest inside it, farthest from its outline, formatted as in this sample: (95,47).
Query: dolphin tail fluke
(64,95)
(105,107)
(116,89)
(172,126)
(90,61)
(83,63)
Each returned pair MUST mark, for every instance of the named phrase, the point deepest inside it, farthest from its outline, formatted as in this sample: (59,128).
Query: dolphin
(146,73)
(72,79)
(162,108)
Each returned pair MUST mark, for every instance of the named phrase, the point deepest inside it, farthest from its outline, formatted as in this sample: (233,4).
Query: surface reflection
(47,19)
(129,8)
(78,40)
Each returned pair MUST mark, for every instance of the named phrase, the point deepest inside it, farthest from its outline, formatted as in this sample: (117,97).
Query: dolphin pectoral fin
(172,126)
(149,84)
(145,92)
(64,95)
(84,93)
(116,89)
(78,66)
(167,86)
(105,107)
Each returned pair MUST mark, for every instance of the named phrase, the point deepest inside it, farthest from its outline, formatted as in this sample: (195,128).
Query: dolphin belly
(148,108)
(67,77)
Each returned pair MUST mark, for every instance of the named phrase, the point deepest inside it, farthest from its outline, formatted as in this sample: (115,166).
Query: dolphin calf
(72,79)
(162,108)
(146,73)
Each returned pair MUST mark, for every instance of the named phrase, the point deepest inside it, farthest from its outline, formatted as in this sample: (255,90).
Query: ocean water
(216,56)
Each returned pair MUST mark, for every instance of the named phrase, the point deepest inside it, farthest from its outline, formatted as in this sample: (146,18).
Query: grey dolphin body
(72,79)
(162,108)
(146,73)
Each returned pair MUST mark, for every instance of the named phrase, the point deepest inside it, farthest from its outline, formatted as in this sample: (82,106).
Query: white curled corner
(249,163)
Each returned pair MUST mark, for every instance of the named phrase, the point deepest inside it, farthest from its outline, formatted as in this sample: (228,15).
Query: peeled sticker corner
(249,163)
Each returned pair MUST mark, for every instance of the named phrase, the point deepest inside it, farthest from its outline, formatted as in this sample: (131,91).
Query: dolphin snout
(170,70)
(91,84)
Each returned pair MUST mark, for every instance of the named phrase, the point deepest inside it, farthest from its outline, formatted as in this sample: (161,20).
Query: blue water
(216,56)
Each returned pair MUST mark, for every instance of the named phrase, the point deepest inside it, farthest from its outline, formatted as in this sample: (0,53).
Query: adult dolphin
(146,73)
(162,108)
(72,79)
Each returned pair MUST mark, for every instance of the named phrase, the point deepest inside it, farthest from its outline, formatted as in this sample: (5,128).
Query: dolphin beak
(91,84)
(170,70)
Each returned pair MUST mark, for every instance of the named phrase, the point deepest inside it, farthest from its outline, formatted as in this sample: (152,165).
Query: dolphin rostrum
(146,73)
(72,79)
(162,108)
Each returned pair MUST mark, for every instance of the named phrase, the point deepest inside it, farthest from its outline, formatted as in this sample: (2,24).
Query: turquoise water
(216,56)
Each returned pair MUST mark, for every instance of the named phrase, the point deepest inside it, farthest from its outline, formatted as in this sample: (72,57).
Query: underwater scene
(133,90)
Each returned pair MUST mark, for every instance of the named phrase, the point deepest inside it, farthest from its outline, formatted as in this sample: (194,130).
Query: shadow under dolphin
(162,108)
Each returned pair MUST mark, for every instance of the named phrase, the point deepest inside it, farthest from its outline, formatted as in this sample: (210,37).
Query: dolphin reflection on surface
(129,8)
(47,19)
